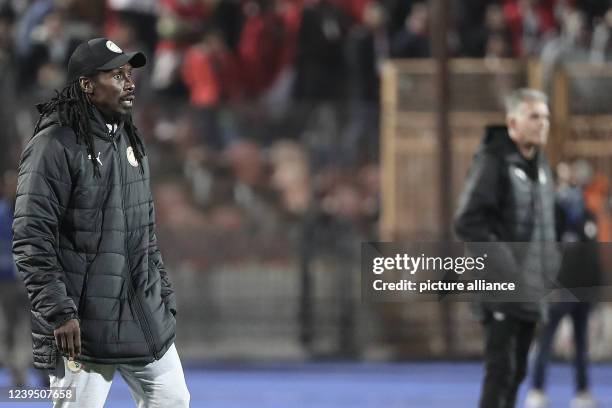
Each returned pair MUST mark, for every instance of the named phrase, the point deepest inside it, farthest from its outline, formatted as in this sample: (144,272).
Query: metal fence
(295,293)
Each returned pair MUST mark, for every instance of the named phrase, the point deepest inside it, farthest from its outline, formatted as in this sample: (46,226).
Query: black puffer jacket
(508,203)
(85,247)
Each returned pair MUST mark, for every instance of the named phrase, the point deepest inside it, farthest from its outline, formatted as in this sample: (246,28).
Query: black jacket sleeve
(479,204)
(155,258)
(43,192)
(478,217)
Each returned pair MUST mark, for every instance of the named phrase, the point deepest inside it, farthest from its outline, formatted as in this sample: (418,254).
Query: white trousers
(160,384)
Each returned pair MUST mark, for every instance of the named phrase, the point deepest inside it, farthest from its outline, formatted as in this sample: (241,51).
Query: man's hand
(68,338)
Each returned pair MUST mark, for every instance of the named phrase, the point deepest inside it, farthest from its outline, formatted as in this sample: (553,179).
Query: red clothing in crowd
(187,9)
(210,76)
(544,12)
(268,45)
(260,51)
(291,13)
(353,8)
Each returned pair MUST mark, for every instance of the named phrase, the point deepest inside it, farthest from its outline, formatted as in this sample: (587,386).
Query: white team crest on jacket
(113,47)
(520,173)
(130,156)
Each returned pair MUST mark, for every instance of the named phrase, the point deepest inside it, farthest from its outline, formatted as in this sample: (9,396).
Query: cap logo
(113,47)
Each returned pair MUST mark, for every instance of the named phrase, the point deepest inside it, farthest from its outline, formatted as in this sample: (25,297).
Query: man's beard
(118,117)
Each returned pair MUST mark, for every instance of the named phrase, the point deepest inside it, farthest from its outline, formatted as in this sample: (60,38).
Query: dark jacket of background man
(510,199)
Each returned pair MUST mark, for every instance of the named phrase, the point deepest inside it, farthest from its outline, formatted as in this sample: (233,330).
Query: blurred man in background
(580,276)
(509,198)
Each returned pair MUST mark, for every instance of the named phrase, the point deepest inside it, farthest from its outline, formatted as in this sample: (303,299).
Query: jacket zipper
(81,309)
(142,318)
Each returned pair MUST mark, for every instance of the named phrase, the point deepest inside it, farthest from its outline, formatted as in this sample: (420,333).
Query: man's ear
(86,84)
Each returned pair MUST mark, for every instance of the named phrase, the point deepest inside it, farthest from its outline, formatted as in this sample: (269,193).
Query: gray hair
(515,98)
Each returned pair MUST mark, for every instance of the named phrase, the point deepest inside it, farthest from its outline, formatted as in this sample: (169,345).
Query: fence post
(439,41)
(388,151)
(535,74)
(560,115)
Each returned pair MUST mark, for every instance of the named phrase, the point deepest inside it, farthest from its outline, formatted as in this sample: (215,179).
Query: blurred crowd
(263,115)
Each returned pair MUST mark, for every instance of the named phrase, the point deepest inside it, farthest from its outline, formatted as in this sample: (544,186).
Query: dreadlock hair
(74,110)
(135,140)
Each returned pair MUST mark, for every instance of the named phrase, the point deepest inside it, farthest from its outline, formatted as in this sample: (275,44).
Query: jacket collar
(497,141)
(98,124)
(99,128)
